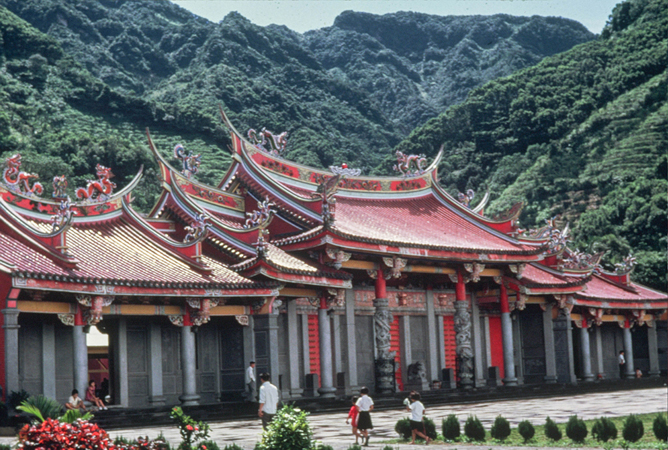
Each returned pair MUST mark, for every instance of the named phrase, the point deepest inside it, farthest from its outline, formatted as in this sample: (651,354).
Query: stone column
(569,336)
(431,334)
(507,335)
(351,343)
(155,391)
(11,326)
(48,360)
(585,351)
(336,346)
(327,389)
(293,348)
(629,371)
(548,337)
(462,321)
(479,360)
(189,395)
(406,350)
(80,350)
(653,345)
(121,364)
(382,319)
(306,350)
(440,330)
(598,342)
(266,344)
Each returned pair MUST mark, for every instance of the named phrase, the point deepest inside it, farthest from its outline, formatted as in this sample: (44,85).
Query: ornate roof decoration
(394,265)
(626,266)
(580,260)
(556,238)
(325,192)
(338,256)
(344,170)
(197,230)
(63,217)
(98,190)
(261,244)
(260,216)
(410,165)
(17,180)
(59,186)
(267,141)
(509,214)
(465,199)
(189,162)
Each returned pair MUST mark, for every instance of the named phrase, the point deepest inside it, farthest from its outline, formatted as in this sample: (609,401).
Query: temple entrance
(232,367)
(533,345)
(98,362)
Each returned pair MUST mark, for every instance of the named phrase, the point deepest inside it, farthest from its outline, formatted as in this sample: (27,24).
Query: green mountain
(583,134)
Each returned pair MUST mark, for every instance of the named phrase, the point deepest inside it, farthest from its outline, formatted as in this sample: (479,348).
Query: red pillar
(381,285)
(460,289)
(505,306)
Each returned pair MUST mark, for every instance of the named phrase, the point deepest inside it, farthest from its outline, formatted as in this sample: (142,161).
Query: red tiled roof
(600,289)
(422,221)
(536,275)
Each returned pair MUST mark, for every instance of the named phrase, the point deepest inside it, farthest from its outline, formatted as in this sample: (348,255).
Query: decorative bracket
(475,270)
(517,269)
(373,274)
(67,319)
(94,305)
(395,265)
(338,256)
(242,319)
(176,320)
(597,315)
(336,297)
(453,278)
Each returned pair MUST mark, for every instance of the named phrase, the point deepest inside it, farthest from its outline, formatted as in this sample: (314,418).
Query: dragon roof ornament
(325,192)
(260,216)
(269,142)
(197,230)
(626,266)
(17,180)
(578,260)
(466,198)
(410,165)
(59,187)
(556,238)
(189,162)
(99,190)
(344,170)
(63,216)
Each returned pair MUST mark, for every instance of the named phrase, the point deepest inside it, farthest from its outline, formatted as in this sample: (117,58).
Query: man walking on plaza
(250,382)
(622,364)
(268,400)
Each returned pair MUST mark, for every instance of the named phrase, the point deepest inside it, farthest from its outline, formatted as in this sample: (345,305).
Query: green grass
(648,441)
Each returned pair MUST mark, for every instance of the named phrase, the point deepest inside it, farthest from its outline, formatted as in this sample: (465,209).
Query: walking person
(622,364)
(417,418)
(352,418)
(364,406)
(250,382)
(268,400)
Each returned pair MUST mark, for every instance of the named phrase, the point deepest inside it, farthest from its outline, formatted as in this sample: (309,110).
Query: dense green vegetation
(582,134)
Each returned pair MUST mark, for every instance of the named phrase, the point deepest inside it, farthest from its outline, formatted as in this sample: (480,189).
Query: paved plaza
(332,430)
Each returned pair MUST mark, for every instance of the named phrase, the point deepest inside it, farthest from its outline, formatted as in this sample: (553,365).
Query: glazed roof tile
(535,275)
(601,289)
(422,221)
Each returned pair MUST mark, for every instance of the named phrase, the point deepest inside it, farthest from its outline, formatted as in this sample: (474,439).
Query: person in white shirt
(250,382)
(417,423)
(268,400)
(75,401)
(365,406)
(622,363)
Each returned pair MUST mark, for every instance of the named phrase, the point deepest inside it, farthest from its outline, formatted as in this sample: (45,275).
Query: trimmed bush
(403,428)
(633,428)
(526,430)
(660,428)
(604,429)
(355,447)
(451,428)
(552,430)
(321,447)
(387,447)
(473,429)
(288,430)
(500,428)
(576,429)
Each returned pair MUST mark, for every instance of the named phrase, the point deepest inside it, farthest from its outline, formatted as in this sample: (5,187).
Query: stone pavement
(332,430)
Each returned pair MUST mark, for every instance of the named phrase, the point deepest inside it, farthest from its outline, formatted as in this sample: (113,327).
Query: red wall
(496,343)
(395,346)
(450,343)
(314,344)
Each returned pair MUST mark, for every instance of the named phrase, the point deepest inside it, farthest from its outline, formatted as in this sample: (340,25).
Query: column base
(587,378)
(296,392)
(510,381)
(654,373)
(327,392)
(480,382)
(158,400)
(628,376)
(189,400)
(550,379)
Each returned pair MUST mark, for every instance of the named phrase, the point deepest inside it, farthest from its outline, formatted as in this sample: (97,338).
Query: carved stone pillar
(462,324)
(189,395)
(629,371)
(507,334)
(585,353)
(382,319)
(327,389)
(11,326)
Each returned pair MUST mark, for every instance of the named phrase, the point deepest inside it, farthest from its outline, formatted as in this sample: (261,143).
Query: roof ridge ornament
(325,192)
(59,185)
(63,217)
(268,142)
(556,238)
(261,215)
(101,187)
(626,266)
(580,260)
(344,170)
(189,162)
(197,230)
(17,180)
(410,165)
(466,198)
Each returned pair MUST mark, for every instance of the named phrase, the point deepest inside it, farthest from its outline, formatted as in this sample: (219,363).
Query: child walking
(417,412)
(364,406)
(352,418)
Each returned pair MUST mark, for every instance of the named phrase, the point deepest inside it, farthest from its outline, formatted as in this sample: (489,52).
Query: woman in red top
(91,397)
(352,417)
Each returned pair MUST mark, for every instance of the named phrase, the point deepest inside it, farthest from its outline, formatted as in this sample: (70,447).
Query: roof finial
(344,170)
(103,188)
(17,180)
(189,162)
(268,142)
(410,165)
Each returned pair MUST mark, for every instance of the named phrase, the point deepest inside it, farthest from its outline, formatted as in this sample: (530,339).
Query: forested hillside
(583,134)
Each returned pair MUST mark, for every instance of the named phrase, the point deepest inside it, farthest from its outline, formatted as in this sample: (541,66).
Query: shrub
(473,429)
(526,430)
(323,447)
(576,429)
(633,428)
(387,447)
(552,430)
(500,429)
(604,429)
(53,435)
(15,398)
(72,415)
(5,447)
(451,428)
(355,447)
(403,428)
(191,430)
(41,407)
(210,445)
(287,431)
(660,428)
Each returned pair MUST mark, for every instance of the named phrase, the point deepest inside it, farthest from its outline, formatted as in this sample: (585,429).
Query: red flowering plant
(191,430)
(54,435)
(143,443)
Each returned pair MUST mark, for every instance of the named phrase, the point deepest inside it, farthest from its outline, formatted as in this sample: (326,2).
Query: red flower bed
(54,435)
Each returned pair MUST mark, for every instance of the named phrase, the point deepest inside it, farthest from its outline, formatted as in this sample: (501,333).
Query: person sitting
(75,401)
(92,397)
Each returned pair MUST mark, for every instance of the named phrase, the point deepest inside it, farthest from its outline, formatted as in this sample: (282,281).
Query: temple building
(329,280)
